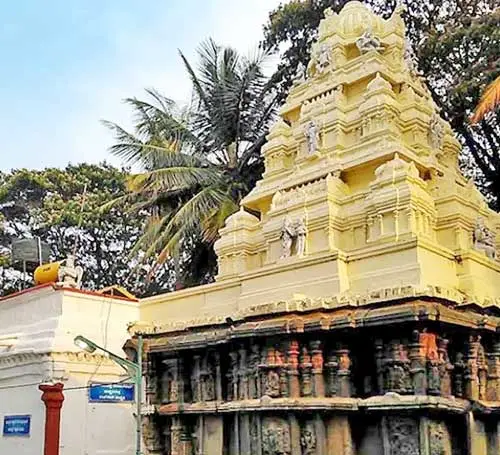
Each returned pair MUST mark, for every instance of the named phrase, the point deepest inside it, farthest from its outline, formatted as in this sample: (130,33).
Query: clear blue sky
(66,64)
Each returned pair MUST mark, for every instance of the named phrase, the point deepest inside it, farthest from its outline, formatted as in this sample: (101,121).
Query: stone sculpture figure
(484,239)
(300,74)
(253,371)
(287,235)
(312,134)
(300,234)
(275,438)
(368,42)
(323,57)
(436,132)
(308,439)
(293,232)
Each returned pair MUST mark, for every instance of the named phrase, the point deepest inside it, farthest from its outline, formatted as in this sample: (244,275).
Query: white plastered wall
(40,325)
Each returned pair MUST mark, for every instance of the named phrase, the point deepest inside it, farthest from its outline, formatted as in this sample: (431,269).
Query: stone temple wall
(424,382)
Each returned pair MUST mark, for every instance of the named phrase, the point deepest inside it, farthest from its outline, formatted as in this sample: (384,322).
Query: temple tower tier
(357,304)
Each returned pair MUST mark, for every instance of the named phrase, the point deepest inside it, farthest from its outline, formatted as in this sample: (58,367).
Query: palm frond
(489,101)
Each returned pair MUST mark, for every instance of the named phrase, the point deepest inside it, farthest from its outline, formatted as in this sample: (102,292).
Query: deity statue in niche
(300,74)
(312,135)
(293,232)
(287,235)
(323,58)
(436,132)
(300,234)
(484,239)
(308,439)
(368,42)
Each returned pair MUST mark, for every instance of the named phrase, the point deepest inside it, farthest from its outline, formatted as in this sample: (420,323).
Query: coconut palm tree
(197,163)
(489,101)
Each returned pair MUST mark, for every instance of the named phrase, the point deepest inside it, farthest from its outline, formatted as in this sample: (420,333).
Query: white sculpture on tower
(312,135)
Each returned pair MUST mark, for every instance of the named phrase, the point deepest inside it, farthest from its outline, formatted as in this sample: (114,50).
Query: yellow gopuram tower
(356,307)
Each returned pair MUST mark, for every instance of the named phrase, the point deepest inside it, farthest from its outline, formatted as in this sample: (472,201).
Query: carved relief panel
(275,436)
(402,436)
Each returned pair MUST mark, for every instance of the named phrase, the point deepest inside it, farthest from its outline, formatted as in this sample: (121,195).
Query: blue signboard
(16,425)
(111,393)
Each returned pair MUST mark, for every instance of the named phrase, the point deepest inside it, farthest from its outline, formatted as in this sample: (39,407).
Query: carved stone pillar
(218,377)
(232,376)
(172,381)
(293,369)
(417,365)
(195,379)
(493,388)
(175,436)
(317,369)
(471,375)
(445,367)
(482,365)
(331,367)
(207,376)
(167,439)
(256,434)
(379,364)
(305,373)
(151,389)
(430,350)
(253,371)
(152,435)
(459,376)
(433,377)
(244,427)
(295,435)
(243,374)
(344,373)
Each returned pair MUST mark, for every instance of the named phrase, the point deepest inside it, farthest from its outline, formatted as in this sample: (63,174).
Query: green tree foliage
(457,43)
(48,204)
(197,163)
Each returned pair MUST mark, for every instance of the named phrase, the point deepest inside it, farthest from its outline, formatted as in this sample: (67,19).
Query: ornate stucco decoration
(484,239)
(436,132)
(322,59)
(300,74)
(368,42)
(293,235)
(311,133)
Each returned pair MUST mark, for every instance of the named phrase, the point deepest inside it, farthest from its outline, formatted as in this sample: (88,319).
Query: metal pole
(39,246)
(138,395)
